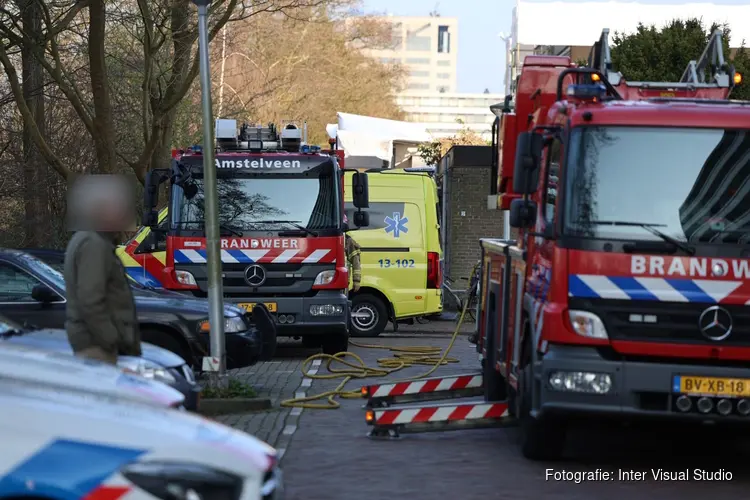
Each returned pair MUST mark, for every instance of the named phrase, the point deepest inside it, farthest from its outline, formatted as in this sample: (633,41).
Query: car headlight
(233,324)
(146,369)
(183,481)
(325,277)
(588,324)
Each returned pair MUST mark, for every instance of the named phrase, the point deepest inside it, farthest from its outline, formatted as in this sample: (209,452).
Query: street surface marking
(306,382)
(289,430)
(296,411)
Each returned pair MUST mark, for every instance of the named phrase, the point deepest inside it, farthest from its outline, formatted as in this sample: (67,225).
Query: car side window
(554,155)
(15,284)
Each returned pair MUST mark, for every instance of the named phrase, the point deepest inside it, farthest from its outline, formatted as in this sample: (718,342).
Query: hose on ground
(355,368)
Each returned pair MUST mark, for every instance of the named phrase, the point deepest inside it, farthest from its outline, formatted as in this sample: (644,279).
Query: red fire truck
(281,213)
(626,292)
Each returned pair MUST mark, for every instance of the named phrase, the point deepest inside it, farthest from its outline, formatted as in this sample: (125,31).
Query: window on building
(443,89)
(443,63)
(417,43)
(417,60)
(418,86)
(418,73)
(444,76)
(444,40)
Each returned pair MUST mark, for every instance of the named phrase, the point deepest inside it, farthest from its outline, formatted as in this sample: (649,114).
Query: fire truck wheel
(373,316)
(335,343)
(540,439)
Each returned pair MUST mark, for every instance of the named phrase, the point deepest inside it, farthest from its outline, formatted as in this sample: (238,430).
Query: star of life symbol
(396,224)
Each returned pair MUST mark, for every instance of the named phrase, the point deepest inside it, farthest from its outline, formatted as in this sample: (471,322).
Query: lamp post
(217,361)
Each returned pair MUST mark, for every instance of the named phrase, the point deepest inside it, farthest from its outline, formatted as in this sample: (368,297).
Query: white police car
(28,367)
(67,444)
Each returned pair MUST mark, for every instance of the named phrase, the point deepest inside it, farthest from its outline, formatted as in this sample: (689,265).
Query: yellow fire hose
(403,357)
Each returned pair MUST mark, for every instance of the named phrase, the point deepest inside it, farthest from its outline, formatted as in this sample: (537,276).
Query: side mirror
(150,218)
(361,219)
(44,294)
(345,227)
(151,190)
(522,213)
(360,190)
(528,157)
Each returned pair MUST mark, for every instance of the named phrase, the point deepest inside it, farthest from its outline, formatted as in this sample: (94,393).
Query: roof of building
(581,23)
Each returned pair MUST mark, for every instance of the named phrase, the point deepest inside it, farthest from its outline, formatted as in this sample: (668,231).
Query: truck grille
(668,321)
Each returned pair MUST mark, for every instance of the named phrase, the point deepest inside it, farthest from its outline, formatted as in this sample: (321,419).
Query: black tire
(542,440)
(334,343)
(167,341)
(376,323)
(267,331)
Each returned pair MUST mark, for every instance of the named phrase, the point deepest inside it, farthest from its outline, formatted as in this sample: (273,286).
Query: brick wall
(468,188)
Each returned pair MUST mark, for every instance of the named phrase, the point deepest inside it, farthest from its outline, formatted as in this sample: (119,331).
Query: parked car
(32,292)
(23,368)
(156,363)
(60,445)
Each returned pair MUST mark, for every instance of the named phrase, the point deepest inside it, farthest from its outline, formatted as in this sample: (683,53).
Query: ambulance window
(553,174)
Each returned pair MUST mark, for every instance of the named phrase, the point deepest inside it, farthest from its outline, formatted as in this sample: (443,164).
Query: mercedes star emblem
(719,270)
(715,323)
(255,275)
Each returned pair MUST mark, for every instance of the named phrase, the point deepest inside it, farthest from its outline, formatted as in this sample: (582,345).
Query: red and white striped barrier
(460,385)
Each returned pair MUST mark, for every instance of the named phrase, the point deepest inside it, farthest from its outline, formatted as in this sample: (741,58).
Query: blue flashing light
(315,149)
(197,149)
(305,148)
(589,91)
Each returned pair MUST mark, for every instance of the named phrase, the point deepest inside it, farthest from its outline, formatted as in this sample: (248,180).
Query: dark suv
(32,292)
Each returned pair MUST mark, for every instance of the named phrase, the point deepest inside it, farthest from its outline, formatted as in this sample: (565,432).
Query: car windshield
(692,184)
(264,203)
(45,270)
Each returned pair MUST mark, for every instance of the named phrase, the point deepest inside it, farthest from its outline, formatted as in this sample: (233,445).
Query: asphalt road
(329,456)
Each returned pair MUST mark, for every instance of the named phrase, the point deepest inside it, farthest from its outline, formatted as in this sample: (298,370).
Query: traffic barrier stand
(427,389)
(391,422)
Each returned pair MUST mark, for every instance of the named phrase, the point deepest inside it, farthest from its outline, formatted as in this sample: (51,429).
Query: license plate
(271,306)
(712,386)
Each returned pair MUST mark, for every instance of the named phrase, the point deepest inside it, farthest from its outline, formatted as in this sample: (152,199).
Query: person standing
(352,250)
(101,320)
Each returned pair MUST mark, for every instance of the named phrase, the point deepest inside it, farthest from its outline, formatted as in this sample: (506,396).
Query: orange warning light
(365,390)
(369,416)
(737,78)
(595,77)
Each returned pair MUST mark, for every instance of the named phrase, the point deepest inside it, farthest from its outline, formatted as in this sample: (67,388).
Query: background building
(427,46)
(545,27)
(440,112)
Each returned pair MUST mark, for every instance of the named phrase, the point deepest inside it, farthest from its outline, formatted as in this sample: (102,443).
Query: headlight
(185,278)
(183,481)
(325,277)
(234,324)
(588,324)
(146,369)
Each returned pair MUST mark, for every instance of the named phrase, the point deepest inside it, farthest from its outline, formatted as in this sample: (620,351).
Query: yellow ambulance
(400,250)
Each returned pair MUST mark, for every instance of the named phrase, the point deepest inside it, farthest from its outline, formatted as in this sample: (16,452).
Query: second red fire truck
(626,292)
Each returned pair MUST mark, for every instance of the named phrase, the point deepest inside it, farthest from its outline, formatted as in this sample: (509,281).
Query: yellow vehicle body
(403,229)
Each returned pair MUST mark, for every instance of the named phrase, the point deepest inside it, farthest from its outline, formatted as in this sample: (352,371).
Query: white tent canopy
(580,23)
(374,137)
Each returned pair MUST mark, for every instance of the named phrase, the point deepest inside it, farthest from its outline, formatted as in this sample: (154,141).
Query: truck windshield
(264,203)
(693,184)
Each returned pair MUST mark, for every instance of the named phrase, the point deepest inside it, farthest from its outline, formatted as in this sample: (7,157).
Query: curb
(215,406)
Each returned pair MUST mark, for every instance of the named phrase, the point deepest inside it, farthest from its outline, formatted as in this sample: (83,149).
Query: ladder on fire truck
(710,76)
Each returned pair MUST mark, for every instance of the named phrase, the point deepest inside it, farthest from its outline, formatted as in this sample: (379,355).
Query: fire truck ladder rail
(394,421)
(426,389)
(694,76)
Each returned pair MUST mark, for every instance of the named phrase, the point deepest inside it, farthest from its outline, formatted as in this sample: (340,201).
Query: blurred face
(101,203)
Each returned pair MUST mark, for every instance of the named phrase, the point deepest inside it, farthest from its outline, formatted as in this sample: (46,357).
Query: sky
(481,52)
